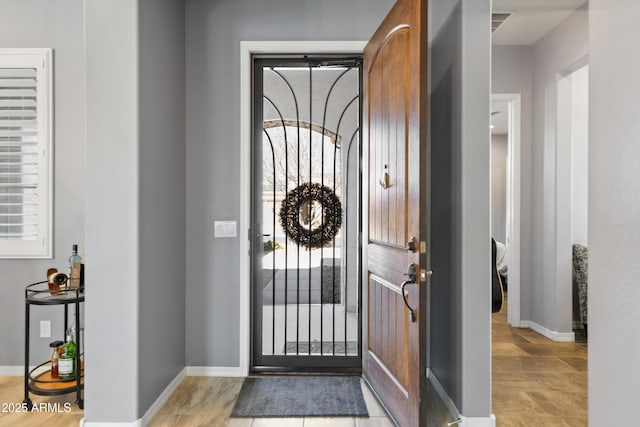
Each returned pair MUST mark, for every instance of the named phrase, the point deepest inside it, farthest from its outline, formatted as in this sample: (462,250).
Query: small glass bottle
(55,373)
(74,268)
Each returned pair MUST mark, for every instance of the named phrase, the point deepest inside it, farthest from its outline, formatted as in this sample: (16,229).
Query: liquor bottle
(74,268)
(55,373)
(67,358)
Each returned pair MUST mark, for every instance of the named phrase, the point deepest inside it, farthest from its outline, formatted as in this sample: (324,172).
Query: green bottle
(67,358)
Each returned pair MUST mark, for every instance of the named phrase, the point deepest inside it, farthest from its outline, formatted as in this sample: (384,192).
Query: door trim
(513,101)
(247,49)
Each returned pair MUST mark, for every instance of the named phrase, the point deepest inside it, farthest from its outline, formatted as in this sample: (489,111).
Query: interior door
(395,112)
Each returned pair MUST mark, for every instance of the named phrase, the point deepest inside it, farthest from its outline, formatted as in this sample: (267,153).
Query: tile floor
(537,382)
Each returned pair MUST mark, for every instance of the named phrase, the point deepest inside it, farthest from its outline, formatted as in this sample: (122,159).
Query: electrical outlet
(45,329)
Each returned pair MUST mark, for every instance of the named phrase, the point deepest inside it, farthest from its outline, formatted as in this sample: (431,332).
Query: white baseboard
(191,371)
(478,421)
(12,371)
(164,396)
(151,412)
(489,421)
(136,423)
(520,324)
(552,335)
(215,371)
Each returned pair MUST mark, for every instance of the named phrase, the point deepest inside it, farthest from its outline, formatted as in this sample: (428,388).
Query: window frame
(41,60)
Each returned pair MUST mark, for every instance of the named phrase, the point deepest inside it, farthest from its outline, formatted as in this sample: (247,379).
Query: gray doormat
(301,397)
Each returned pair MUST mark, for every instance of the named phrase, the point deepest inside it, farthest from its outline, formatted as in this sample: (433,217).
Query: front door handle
(412,274)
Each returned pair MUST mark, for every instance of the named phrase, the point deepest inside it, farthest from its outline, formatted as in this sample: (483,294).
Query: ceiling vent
(498,19)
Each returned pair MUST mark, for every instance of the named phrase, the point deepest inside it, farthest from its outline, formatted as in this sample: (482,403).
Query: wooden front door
(395,99)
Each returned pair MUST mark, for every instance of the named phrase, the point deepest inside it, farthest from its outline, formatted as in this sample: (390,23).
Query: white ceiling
(530,20)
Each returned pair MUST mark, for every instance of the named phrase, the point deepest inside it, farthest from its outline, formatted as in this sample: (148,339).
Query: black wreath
(331,215)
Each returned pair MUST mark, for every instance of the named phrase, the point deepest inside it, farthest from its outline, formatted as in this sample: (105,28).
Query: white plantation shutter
(25,153)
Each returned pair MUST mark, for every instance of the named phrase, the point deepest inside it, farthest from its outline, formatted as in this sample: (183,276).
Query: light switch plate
(225,229)
(45,329)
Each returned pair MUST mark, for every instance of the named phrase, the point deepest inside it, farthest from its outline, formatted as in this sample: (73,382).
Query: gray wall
(113,212)
(57,25)
(551,277)
(460,353)
(614,210)
(214,32)
(135,156)
(162,196)
(499,187)
(580,156)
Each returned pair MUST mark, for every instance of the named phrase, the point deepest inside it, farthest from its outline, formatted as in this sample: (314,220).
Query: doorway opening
(572,185)
(306,192)
(505,189)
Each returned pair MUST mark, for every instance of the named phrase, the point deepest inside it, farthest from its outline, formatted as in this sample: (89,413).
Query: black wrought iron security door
(306,203)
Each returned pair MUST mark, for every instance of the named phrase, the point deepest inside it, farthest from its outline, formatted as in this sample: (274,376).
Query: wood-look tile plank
(578,363)
(180,421)
(505,335)
(530,421)
(540,381)
(61,411)
(576,421)
(508,349)
(197,395)
(560,403)
(515,403)
(530,364)
(39,419)
(556,349)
